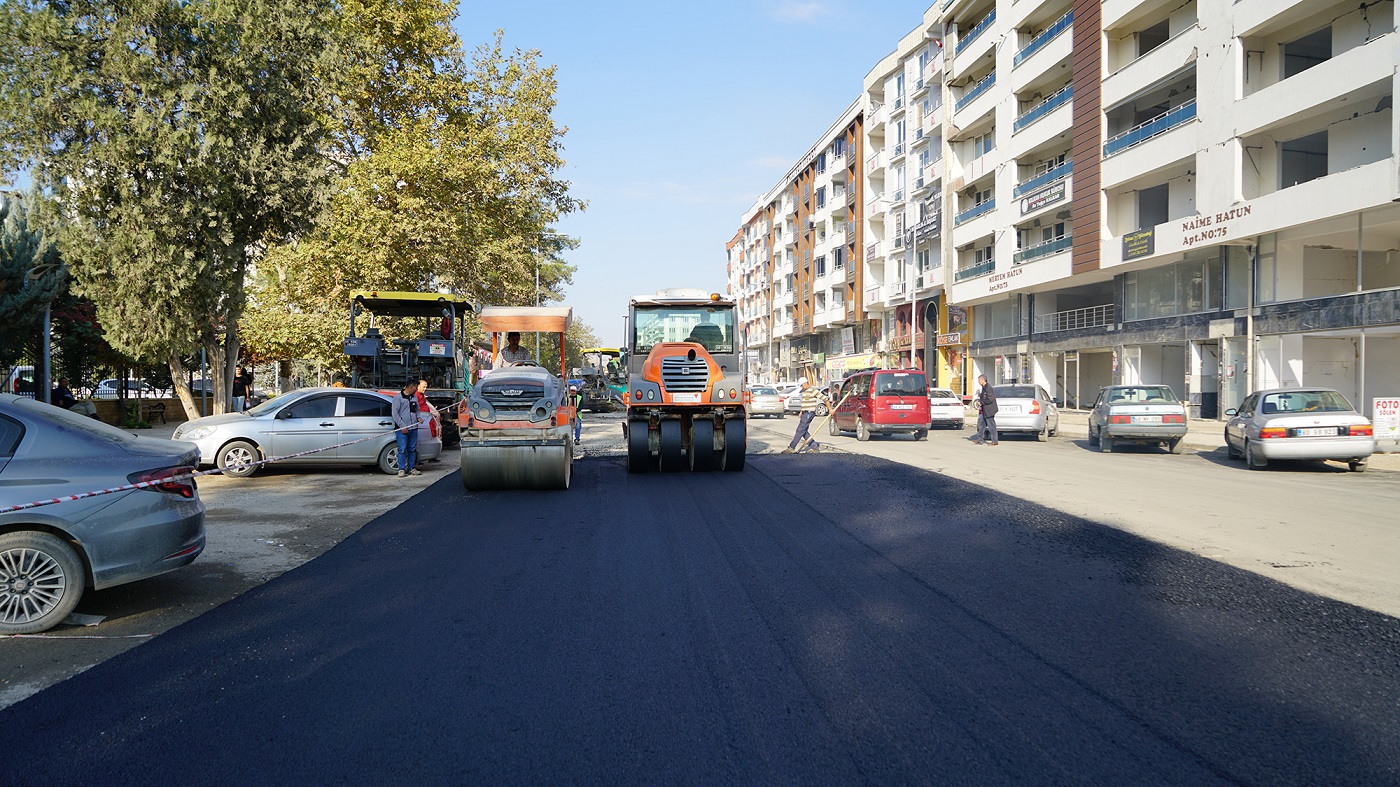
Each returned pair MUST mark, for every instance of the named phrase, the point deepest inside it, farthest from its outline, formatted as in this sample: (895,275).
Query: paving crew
(576,399)
(405,409)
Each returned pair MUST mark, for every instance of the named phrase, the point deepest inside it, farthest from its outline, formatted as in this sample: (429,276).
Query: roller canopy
(526,319)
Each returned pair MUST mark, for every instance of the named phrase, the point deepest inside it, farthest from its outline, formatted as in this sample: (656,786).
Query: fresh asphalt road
(829,618)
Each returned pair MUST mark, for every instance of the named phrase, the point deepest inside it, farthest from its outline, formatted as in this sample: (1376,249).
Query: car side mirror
(1232,411)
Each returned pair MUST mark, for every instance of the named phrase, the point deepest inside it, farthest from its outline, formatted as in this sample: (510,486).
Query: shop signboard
(1385,418)
(848,341)
(1139,244)
(950,339)
(1046,196)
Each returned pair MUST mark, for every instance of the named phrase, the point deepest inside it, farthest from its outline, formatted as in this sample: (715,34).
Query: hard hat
(802,381)
(573,388)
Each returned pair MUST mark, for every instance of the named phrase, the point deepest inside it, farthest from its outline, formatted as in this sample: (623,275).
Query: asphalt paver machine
(517,422)
(427,342)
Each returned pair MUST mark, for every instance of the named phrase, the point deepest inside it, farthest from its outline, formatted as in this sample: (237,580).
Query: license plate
(1330,431)
(686,398)
(901,407)
(1012,408)
(1147,419)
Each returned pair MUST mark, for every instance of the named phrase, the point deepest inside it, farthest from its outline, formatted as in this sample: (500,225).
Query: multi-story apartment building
(792,263)
(1196,193)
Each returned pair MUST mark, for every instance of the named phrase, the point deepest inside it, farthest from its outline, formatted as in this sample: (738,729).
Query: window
(1303,53)
(983,144)
(838,259)
(921,260)
(1152,206)
(1303,159)
(1153,37)
(821,265)
(10,433)
(821,163)
(367,406)
(838,147)
(1042,167)
(982,254)
(315,407)
(821,196)
(981,197)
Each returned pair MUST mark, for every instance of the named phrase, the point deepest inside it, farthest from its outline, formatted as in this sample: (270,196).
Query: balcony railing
(975,91)
(1144,131)
(1046,36)
(1043,179)
(973,271)
(975,211)
(874,163)
(977,30)
(872,250)
(1044,108)
(1091,317)
(1042,249)
(898,149)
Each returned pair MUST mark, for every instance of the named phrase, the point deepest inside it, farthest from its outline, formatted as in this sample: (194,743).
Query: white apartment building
(1203,193)
(792,262)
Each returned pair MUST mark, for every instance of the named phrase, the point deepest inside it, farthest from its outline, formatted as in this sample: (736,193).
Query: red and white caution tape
(185,476)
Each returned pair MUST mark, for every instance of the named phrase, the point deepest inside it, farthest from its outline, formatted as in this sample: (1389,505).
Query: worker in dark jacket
(986,413)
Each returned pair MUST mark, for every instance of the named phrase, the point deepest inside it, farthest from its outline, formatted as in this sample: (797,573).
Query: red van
(882,401)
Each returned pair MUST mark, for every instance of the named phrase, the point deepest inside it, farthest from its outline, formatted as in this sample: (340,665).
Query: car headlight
(197,433)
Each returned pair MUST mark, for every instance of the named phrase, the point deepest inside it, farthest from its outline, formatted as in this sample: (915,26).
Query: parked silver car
(1026,409)
(48,554)
(765,400)
(1298,423)
(307,420)
(1145,414)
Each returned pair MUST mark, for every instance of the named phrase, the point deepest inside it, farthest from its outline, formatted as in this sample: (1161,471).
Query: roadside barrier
(186,476)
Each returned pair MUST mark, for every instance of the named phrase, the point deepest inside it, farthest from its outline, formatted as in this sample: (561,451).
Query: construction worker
(811,399)
(576,399)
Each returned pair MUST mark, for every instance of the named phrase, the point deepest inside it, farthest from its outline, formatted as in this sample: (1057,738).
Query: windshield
(764,391)
(1015,391)
(1140,394)
(1305,402)
(901,384)
(709,326)
(941,393)
(270,405)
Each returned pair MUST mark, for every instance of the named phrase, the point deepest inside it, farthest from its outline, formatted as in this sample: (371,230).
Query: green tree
(176,138)
(25,248)
(451,179)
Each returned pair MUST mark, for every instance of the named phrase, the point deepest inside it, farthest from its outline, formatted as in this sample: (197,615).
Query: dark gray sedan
(1144,414)
(309,421)
(50,554)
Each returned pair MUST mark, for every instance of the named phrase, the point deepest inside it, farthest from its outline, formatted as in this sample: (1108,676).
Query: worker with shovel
(802,440)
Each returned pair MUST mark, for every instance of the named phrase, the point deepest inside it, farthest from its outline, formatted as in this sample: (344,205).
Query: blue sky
(680,115)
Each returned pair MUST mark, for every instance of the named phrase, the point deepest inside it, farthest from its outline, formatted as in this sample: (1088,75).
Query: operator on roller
(512,353)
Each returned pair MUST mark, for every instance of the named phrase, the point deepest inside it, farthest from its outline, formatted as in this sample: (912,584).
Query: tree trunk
(284,376)
(219,391)
(182,387)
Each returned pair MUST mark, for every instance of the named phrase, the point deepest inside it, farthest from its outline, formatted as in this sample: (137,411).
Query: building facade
(1202,194)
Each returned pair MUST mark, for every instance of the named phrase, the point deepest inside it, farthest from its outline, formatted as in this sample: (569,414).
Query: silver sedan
(1298,423)
(765,400)
(1144,414)
(1026,409)
(48,553)
(308,421)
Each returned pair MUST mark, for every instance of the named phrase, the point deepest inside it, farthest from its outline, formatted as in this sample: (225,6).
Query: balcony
(875,162)
(1091,317)
(898,150)
(976,90)
(872,250)
(921,86)
(1046,36)
(896,289)
(1043,179)
(1056,99)
(1052,246)
(975,211)
(977,30)
(973,271)
(1147,130)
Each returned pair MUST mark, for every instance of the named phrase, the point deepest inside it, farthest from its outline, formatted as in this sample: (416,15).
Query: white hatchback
(946,408)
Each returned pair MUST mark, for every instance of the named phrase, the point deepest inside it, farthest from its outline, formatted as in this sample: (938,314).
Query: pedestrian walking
(406,425)
(986,413)
(576,399)
(811,399)
(241,379)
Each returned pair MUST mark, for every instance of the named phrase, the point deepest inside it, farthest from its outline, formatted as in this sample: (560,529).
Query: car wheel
(1106,444)
(238,459)
(1357,465)
(831,427)
(1043,434)
(1174,445)
(821,410)
(862,433)
(1093,436)
(389,459)
(922,434)
(41,580)
(1252,459)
